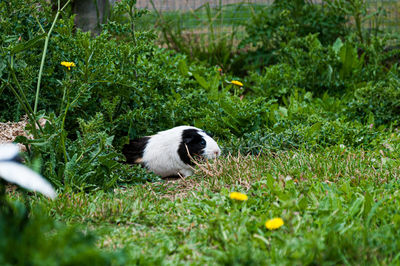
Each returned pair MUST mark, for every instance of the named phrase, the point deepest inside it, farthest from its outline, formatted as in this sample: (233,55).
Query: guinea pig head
(198,143)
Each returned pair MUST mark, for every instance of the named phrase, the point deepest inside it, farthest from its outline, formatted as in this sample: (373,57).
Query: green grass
(338,206)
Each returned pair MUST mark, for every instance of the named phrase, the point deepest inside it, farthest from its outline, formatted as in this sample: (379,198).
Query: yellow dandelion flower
(274,223)
(68,64)
(238,196)
(237,83)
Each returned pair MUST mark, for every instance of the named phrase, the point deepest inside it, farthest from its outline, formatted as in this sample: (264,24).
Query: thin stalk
(23,100)
(63,99)
(40,25)
(28,106)
(21,91)
(64,94)
(3,85)
(132,13)
(97,14)
(63,135)
(46,43)
(358,26)
(20,100)
(221,16)
(97,154)
(210,25)
(164,28)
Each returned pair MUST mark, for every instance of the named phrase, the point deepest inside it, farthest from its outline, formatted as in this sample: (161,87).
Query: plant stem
(46,43)
(97,153)
(23,100)
(132,12)
(2,88)
(63,135)
(97,14)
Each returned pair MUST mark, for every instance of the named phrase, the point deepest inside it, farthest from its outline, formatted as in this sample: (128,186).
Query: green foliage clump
(33,238)
(282,21)
(377,103)
(86,162)
(19,26)
(276,81)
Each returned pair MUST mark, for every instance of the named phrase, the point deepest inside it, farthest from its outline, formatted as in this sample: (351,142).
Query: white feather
(8,151)
(14,172)
(24,177)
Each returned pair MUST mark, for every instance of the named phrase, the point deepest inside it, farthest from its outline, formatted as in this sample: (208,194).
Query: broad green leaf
(28,44)
(201,81)
(314,128)
(355,207)
(348,57)
(183,69)
(337,45)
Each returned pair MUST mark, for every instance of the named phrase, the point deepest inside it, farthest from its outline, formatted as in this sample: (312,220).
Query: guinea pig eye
(203,142)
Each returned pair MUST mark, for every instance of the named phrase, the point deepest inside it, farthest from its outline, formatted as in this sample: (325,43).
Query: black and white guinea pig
(165,153)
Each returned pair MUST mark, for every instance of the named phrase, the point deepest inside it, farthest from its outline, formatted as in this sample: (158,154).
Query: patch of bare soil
(10,130)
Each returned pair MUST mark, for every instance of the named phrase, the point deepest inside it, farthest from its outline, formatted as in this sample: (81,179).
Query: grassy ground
(338,206)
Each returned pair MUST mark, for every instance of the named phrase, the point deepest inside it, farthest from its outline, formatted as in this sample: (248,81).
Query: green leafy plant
(377,104)
(273,26)
(34,238)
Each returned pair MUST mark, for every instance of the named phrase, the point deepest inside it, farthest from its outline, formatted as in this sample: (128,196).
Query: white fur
(161,152)
(211,150)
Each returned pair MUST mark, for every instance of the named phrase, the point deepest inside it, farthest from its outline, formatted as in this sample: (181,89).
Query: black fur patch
(134,150)
(195,144)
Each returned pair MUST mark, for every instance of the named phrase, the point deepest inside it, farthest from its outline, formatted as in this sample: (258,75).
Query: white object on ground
(17,173)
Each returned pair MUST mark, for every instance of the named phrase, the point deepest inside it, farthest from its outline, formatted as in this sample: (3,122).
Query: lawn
(338,207)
